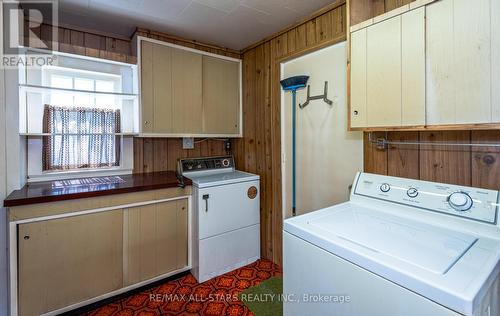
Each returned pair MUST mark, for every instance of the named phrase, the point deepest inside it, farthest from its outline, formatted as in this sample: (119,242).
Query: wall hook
(323,97)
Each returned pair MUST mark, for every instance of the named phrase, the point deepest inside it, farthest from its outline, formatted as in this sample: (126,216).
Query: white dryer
(399,247)
(226,215)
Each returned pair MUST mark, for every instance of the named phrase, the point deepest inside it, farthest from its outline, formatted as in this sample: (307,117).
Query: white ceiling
(234,24)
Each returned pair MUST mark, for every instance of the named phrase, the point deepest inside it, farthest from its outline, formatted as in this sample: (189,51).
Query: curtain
(82,138)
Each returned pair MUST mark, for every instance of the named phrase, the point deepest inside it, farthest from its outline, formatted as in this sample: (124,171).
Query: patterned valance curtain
(82,138)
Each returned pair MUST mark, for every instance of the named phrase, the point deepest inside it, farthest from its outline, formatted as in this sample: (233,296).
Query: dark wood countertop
(52,191)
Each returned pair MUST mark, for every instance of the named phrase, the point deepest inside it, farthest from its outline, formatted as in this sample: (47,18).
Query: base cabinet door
(156,240)
(58,258)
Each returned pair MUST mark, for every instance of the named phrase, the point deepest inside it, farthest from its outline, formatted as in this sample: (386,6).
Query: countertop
(61,190)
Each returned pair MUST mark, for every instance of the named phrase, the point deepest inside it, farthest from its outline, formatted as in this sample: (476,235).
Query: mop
(293,84)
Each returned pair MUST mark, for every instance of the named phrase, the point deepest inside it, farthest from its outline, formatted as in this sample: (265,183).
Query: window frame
(34,148)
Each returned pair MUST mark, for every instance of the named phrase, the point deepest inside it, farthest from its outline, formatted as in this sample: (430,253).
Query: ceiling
(233,24)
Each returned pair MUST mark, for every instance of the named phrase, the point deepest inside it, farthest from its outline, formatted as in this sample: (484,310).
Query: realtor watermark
(30,33)
(247,297)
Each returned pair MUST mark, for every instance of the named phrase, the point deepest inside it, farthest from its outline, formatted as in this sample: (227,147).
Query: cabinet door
(156,240)
(186,92)
(413,67)
(495,60)
(358,78)
(147,90)
(384,73)
(162,89)
(221,96)
(65,261)
(458,35)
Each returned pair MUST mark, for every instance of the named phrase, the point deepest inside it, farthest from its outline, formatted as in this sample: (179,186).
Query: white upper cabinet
(358,78)
(383,82)
(413,68)
(433,64)
(459,62)
(388,72)
(495,60)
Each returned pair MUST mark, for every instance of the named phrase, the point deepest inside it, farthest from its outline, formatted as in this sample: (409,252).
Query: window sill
(75,174)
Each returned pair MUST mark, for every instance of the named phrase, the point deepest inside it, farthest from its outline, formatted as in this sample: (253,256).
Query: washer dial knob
(460,201)
(412,192)
(385,187)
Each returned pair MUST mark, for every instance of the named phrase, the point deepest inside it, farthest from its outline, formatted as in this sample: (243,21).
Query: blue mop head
(294,83)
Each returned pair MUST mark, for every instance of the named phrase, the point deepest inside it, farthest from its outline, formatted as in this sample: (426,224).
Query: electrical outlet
(188,143)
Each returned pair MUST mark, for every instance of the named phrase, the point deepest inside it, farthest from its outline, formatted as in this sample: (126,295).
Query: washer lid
(428,247)
(447,266)
(203,180)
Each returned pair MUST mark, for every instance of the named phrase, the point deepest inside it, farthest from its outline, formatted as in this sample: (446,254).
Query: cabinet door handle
(26,237)
(206,197)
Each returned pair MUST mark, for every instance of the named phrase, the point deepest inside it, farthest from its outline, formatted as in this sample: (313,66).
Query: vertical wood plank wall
(87,44)
(161,154)
(362,10)
(260,149)
(187,43)
(463,165)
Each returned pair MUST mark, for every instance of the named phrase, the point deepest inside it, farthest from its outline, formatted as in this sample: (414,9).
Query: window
(83,126)
(79,117)
(81,138)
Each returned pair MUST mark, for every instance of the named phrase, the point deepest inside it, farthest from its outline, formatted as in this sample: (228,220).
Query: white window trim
(34,142)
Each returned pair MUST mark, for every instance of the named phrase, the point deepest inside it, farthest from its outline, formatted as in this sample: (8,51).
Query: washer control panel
(205,164)
(467,202)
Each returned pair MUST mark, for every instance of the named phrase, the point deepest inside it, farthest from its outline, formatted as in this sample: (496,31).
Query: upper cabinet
(388,72)
(188,93)
(459,62)
(430,63)
(221,91)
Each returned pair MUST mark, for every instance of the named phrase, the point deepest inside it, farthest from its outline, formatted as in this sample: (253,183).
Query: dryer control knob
(460,201)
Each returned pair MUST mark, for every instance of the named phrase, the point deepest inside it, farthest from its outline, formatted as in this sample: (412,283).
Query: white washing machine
(399,247)
(226,215)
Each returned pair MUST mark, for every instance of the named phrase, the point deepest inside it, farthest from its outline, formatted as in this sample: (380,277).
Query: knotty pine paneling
(463,165)
(259,150)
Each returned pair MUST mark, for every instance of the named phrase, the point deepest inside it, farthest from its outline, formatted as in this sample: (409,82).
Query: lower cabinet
(155,240)
(69,260)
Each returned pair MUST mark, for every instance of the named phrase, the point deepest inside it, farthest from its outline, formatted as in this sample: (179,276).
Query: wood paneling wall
(362,10)
(463,165)
(161,154)
(187,43)
(88,44)
(259,151)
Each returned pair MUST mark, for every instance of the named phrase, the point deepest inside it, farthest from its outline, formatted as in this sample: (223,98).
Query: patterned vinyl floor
(185,296)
